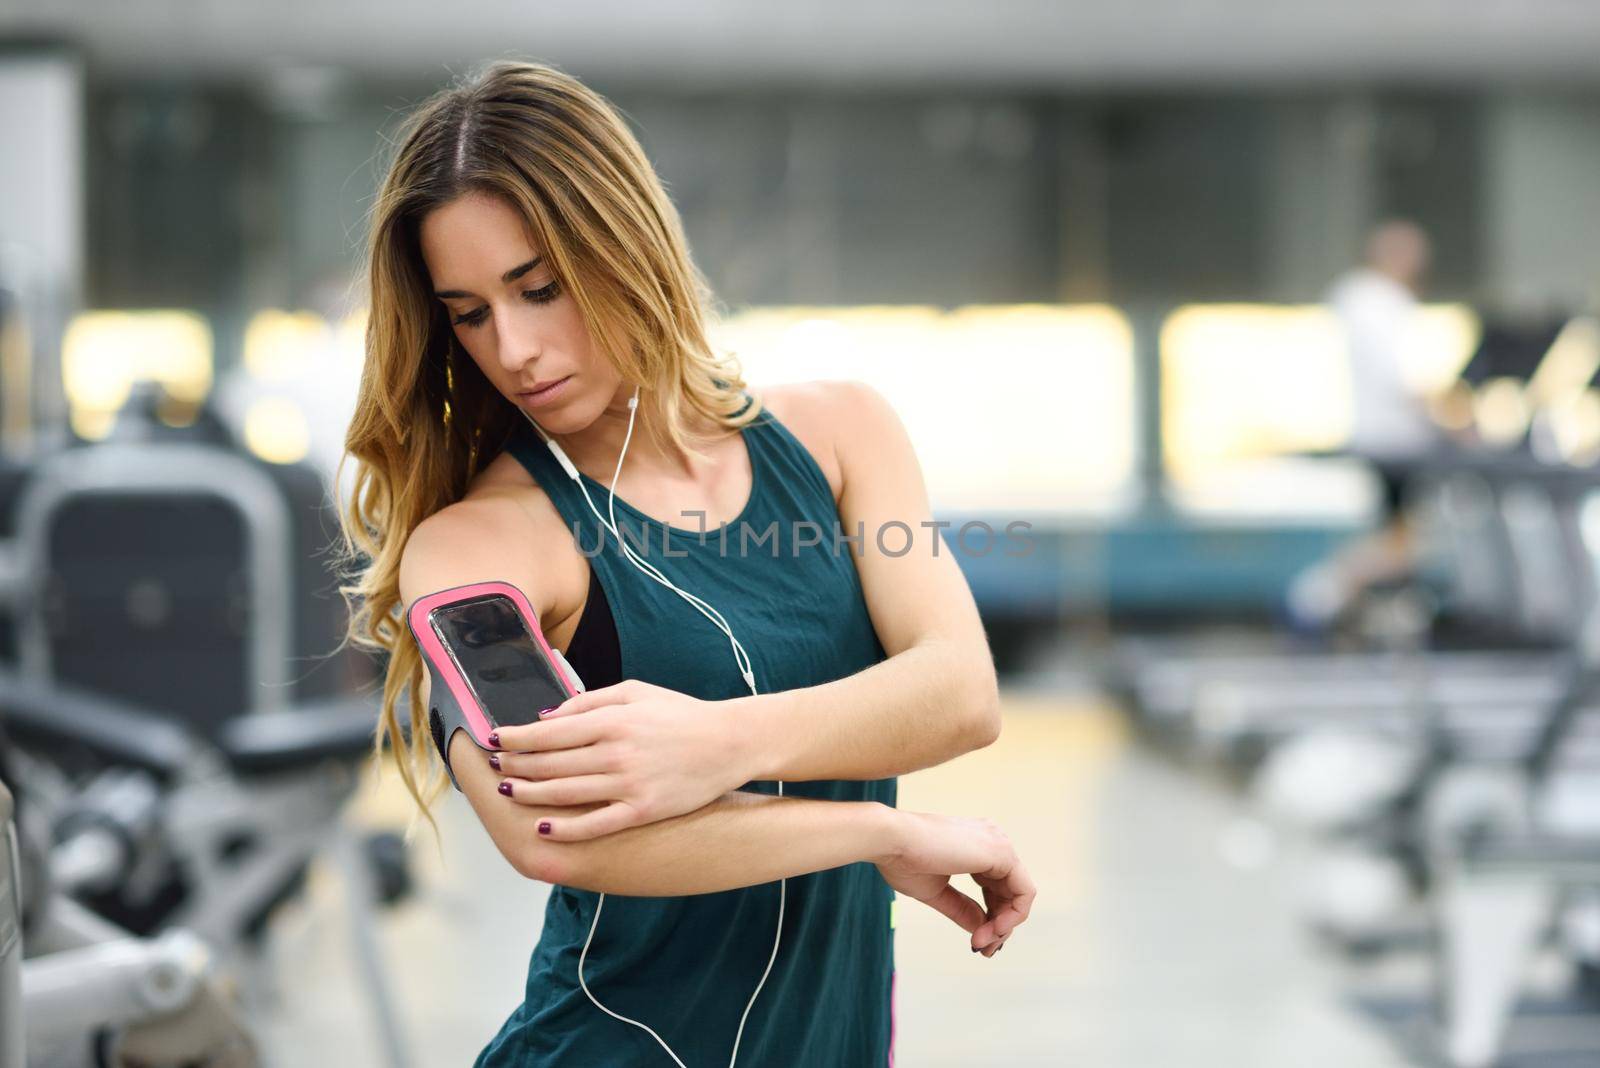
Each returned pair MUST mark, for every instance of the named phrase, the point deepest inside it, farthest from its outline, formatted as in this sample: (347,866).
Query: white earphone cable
(745,671)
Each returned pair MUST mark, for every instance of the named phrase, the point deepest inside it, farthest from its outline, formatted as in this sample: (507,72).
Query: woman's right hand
(929,848)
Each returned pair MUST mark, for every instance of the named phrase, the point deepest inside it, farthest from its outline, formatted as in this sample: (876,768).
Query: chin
(565,416)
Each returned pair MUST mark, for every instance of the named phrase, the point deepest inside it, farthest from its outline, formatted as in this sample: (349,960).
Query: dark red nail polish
(544,826)
(494,761)
(542,711)
(505,788)
(974,949)
(494,739)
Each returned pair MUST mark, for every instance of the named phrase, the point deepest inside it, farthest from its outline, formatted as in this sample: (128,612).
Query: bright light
(294,392)
(1570,364)
(92,424)
(105,352)
(350,337)
(1575,425)
(1027,406)
(1437,344)
(279,345)
(1501,410)
(275,429)
(1241,381)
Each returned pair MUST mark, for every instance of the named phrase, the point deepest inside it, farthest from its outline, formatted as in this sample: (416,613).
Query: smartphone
(505,669)
(490,665)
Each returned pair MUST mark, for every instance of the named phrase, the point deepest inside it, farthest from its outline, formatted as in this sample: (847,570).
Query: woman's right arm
(744,838)
(740,839)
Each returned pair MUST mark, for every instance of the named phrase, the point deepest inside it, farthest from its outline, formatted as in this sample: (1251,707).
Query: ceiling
(1011,43)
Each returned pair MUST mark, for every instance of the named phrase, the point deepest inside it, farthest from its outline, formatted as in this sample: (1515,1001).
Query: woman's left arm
(935,696)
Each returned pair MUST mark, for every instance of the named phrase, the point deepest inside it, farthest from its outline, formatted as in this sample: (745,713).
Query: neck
(596,447)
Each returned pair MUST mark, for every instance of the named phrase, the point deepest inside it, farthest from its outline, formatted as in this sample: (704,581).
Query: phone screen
(500,660)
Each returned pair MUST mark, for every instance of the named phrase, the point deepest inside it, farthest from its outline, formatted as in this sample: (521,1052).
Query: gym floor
(1165,930)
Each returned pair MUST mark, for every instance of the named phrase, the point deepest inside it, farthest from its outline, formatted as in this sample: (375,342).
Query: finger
(1010,882)
(563,764)
(1007,920)
(988,936)
(1003,919)
(548,734)
(581,790)
(1014,895)
(617,816)
(589,699)
(992,947)
(949,901)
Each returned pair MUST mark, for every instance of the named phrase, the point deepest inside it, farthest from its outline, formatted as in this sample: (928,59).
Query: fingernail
(505,788)
(975,949)
(552,708)
(494,739)
(544,826)
(494,761)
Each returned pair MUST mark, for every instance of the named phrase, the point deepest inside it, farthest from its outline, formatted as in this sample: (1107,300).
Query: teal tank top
(686,966)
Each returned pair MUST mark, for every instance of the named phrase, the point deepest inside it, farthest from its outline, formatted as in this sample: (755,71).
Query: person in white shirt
(1390,425)
(1375,304)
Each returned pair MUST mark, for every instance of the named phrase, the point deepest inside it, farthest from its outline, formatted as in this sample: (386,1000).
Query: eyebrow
(510,276)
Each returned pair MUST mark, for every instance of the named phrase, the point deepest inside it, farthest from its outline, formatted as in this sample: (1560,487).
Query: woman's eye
(542,295)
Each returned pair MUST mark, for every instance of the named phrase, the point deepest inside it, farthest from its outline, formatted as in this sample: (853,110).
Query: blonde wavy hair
(426,420)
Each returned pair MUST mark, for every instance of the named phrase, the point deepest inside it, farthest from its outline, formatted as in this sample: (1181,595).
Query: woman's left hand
(653,753)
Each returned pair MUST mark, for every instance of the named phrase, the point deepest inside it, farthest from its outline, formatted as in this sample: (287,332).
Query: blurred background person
(1377,303)
(1391,426)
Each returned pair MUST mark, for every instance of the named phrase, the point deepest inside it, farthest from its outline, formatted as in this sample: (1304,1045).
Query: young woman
(526,265)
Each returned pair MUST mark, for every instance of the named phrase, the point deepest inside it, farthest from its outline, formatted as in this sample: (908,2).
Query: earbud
(560,453)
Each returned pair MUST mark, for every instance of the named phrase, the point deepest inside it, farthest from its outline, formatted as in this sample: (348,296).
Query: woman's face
(519,325)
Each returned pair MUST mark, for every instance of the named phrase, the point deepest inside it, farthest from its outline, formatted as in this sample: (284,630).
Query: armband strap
(444,719)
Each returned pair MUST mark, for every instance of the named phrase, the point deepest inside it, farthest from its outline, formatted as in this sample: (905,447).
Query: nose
(518,339)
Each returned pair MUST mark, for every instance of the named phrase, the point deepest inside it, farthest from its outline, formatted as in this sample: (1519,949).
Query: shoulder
(468,541)
(1364,286)
(835,419)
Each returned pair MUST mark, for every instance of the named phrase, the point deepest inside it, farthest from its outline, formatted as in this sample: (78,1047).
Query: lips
(550,393)
(544,386)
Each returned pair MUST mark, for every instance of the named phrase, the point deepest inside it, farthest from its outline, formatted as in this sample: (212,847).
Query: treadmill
(1486,657)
